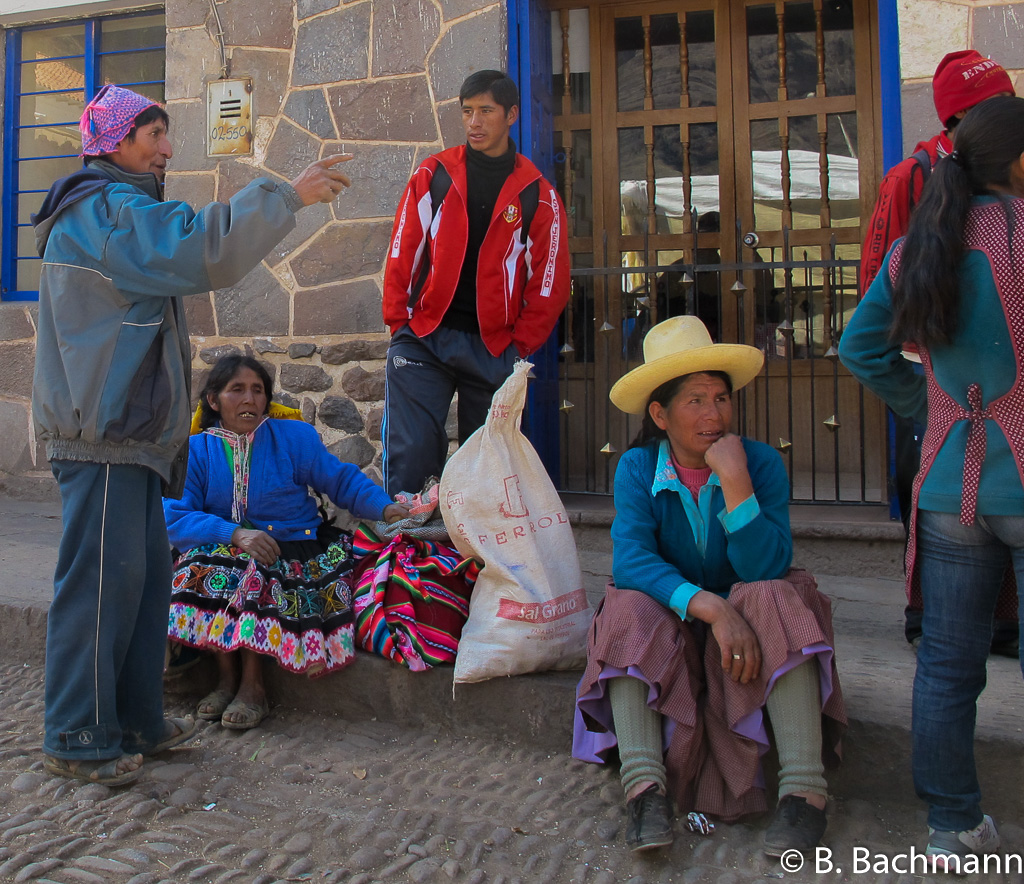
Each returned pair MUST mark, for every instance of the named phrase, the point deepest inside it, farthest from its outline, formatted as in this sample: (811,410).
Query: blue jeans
(961,570)
(107,626)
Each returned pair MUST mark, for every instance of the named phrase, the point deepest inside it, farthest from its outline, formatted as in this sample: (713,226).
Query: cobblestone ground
(303,798)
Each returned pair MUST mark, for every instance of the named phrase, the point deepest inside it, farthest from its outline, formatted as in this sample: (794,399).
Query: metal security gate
(708,155)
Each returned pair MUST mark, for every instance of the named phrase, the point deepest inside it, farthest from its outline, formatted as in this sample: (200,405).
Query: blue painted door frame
(529,64)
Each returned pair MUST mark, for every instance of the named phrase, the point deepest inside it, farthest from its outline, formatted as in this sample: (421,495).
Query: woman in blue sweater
(261,573)
(955,287)
(706,627)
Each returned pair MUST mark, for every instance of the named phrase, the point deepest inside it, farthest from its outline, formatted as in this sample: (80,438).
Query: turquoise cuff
(680,600)
(740,517)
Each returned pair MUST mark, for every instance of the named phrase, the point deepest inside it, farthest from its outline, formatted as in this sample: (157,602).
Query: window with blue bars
(52,72)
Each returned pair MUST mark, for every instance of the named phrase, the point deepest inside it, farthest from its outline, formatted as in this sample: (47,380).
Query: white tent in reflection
(804,193)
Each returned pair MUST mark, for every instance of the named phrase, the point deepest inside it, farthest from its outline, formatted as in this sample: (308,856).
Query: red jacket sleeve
(889,220)
(547,288)
(405,251)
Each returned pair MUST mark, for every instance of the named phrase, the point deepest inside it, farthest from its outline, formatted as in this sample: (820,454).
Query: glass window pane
(27,242)
(666,73)
(55,108)
(840,78)
(766,165)
(801,58)
(576,42)
(53,76)
(843,170)
(27,274)
(52,42)
(28,204)
(700,44)
(629,63)
(633,180)
(40,174)
(574,180)
(136,32)
(49,141)
(132,68)
(763,53)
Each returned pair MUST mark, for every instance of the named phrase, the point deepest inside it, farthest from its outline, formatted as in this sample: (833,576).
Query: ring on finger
(737,656)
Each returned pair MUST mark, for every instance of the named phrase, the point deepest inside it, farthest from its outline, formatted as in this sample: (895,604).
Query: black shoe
(650,820)
(796,825)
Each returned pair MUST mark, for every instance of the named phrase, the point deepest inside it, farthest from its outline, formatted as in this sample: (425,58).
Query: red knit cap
(964,79)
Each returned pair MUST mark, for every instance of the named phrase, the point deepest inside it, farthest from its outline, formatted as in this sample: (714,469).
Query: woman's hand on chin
(728,460)
(741,653)
(260,545)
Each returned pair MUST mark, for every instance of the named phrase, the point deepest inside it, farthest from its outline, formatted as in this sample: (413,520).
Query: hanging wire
(220,40)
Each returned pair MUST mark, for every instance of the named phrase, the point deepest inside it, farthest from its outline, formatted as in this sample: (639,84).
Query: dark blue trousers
(421,379)
(107,626)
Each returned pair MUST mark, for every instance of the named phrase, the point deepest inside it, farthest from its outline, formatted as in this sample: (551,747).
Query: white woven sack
(528,611)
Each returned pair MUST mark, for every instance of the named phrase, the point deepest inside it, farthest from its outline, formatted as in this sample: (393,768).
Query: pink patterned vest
(985,231)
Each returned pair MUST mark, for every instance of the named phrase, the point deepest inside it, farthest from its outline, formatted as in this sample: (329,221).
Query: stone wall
(931,28)
(375,78)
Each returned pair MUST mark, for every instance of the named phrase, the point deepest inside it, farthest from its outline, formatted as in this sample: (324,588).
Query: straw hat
(681,345)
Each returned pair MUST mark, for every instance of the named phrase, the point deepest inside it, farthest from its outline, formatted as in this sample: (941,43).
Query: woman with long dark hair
(706,632)
(955,287)
(260,572)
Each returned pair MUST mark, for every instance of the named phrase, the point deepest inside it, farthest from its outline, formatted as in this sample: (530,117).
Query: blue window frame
(52,71)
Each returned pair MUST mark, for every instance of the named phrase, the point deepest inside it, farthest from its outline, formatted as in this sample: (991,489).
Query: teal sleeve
(875,360)
(740,517)
(680,600)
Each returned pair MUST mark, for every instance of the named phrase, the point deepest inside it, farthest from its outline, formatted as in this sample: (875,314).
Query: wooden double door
(719,157)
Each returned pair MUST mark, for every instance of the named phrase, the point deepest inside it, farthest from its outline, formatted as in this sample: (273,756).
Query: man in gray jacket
(111,401)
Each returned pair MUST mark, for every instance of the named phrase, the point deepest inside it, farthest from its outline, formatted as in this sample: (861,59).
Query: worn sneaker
(796,825)
(649,823)
(942,845)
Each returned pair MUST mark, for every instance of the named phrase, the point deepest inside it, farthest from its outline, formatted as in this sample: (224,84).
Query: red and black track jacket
(899,193)
(520,289)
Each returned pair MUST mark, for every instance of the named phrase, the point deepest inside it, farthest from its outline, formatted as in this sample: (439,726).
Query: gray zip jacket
(112,380)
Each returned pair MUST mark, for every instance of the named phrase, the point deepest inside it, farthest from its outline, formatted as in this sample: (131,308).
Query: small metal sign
(229,114)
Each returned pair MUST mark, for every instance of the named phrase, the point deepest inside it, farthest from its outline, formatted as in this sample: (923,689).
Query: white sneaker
(982,839)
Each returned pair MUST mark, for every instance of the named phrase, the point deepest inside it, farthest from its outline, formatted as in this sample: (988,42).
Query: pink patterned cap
(109,117)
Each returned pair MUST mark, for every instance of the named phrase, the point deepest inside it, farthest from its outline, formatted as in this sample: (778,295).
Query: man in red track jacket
(477,274)
(962,80)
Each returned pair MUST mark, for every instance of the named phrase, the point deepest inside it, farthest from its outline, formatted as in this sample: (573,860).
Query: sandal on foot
(251,715)
(215,702)
(176,732)
(102,771)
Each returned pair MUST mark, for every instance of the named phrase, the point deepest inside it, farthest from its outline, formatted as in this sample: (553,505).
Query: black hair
(663,395)
(224,369)
(503,88)
(150,115)
(926,295)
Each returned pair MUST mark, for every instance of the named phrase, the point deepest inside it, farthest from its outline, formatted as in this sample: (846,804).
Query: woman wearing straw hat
(705,627)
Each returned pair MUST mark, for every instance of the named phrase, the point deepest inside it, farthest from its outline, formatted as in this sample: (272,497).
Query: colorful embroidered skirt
(298,610)
(411,598)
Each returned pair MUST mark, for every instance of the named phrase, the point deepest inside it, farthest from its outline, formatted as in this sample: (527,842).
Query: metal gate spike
(832,423)
(832,353)
(786,327)
(643,302)
(566,406)
(783,445)
(606,327)
(567,349)
(609,449)
(738,287)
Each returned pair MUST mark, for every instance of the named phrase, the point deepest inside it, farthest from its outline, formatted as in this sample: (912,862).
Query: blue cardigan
(655,544)
(287,456)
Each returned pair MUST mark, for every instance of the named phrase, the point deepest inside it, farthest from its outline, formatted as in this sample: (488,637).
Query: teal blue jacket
(668,547)
(981,352)
(112,378)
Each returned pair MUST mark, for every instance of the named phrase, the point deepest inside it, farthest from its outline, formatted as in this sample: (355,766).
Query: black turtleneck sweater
(485,176)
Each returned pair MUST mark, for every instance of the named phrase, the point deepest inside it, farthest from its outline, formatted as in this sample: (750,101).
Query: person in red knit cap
(962,80)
